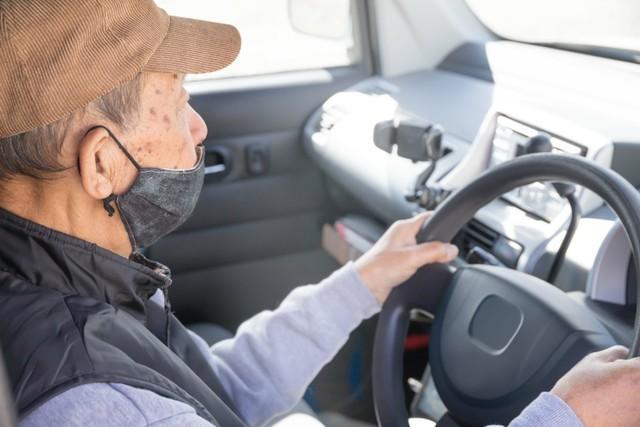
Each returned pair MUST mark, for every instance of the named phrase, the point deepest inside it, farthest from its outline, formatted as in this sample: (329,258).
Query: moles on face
(167,131)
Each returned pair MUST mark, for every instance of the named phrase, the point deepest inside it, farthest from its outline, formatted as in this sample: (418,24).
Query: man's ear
(97,163)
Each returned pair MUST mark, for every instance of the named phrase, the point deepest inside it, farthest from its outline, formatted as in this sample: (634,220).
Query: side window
(278,35)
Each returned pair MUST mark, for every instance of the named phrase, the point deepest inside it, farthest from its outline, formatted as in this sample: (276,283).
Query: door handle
(217,162)
(215,169)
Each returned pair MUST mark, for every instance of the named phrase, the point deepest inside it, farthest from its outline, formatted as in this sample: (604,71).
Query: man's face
(168,129)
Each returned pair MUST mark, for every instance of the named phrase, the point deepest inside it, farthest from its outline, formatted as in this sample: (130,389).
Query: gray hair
(36,153)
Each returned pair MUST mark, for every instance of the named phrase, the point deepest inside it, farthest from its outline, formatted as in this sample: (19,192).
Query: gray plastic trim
(608,279)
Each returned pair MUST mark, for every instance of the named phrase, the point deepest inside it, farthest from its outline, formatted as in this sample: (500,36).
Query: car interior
(515,121)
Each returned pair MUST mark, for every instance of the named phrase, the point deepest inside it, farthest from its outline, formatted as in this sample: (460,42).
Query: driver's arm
(267,366)
(275,355)
(548,410)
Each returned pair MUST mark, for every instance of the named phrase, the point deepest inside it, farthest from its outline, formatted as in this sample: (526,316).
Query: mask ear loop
(106,202)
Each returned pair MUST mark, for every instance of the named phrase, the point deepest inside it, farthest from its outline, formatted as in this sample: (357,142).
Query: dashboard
(583,106)
(586,106)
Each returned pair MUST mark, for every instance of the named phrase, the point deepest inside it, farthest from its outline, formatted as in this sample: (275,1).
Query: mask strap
(124,150)
(106,203)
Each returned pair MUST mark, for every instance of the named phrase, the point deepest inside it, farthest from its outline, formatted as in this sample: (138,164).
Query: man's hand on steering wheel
(602,389)
(397,256)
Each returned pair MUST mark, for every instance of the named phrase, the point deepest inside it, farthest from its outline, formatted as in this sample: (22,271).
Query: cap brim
(194,46)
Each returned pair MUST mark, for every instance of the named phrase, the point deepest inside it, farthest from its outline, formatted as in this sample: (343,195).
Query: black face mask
(159,201)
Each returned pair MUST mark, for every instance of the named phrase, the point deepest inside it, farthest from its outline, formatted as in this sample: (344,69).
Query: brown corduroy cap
(58,56)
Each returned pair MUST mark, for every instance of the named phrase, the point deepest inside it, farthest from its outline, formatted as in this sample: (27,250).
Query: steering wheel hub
(502,336)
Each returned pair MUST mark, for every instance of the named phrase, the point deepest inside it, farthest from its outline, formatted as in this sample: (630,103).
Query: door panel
(293,185)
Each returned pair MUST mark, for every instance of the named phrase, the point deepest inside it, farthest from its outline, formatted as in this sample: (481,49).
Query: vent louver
(333,114)
(330,117)
(375,90)
(474,234)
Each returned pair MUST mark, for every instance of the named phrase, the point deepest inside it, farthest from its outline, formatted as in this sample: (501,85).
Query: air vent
(330,116)
(476,234)
(375,90)
(340,107)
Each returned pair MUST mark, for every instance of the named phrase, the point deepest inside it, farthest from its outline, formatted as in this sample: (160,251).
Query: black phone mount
(416,141)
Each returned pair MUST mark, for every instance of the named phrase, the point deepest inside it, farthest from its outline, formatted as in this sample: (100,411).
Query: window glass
(612,24)
(278,35)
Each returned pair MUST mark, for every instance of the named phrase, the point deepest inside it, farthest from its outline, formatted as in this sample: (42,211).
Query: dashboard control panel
(510,141)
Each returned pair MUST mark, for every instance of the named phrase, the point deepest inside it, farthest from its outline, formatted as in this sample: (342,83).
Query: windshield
(594,26)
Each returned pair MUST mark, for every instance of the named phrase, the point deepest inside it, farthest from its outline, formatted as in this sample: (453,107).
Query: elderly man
(101,155)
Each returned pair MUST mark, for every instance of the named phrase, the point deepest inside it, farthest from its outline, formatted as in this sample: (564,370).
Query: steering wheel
(500,337)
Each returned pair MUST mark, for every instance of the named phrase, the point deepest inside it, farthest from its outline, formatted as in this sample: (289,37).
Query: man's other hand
(603,389)
(396,257)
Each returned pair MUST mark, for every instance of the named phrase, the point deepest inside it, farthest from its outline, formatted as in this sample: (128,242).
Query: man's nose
(197,126)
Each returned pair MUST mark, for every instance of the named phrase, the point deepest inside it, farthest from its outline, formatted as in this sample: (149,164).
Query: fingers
(614,353)
(404,231)
(414,224)
(610,354)
(432,252)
